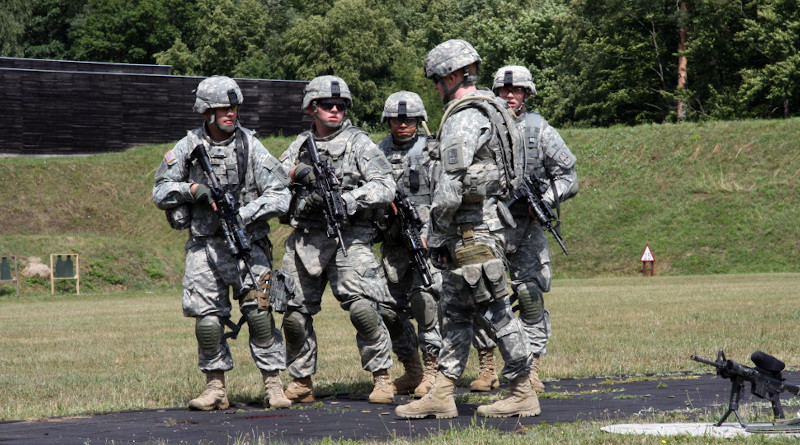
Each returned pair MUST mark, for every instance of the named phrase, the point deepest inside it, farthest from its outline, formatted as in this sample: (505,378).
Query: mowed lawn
(70,354)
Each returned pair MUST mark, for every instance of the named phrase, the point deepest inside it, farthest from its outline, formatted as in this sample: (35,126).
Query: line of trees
(595,62)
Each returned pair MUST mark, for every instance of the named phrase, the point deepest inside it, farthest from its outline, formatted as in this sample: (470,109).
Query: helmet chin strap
(403,140)
(466,79)
(228,128)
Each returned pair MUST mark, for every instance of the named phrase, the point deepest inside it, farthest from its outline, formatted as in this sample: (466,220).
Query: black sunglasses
(327,104)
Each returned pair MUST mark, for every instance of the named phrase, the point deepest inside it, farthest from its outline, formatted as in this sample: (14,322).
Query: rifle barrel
(707,362)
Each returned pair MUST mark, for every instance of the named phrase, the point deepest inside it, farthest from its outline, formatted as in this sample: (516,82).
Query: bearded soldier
(548,161)
(477,140)
(409,153)
(363,181)
(258,185)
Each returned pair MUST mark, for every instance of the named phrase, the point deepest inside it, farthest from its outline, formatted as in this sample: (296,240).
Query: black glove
(202,193)
(311,203)
(314,200)
(303,174)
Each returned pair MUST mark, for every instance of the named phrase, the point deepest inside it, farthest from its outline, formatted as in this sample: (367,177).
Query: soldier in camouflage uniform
(313,260)
(408,151)
(548,159)
(477,139)
(258,183)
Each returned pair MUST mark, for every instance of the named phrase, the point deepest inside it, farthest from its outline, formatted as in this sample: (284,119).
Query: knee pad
(365,318)
(531,303)
(294,327)
(392,320)
(261,325)
(208,331)
(425,310)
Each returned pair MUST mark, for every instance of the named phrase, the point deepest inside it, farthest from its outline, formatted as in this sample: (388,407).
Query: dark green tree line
(595,63)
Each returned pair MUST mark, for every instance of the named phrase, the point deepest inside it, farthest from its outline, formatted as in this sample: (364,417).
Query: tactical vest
(339,152)
(235,172)
(534,155)
(409,169)
(509,140)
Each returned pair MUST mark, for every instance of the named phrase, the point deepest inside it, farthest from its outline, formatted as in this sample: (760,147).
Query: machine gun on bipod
(765,379)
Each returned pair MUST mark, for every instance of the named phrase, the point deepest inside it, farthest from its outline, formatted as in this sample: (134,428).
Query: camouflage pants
(312,260)
(461,310)
(209,275)
(528,258)
(411,298)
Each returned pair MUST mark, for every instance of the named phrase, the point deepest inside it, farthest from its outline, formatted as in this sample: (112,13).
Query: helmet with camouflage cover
(217,92)
(326,87)
(404,103)
(448,57)
(514,76)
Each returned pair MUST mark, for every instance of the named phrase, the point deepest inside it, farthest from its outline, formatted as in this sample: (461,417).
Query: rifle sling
(242,153)
(557,203)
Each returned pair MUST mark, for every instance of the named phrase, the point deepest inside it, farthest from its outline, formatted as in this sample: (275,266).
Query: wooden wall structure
(65,107)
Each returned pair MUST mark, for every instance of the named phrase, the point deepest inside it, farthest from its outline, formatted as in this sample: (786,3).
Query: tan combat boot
(522,402)
(273,388)
(487,377)
(538,386)
(439,402)
(383,392)
(408,382)
(430,365)
(300,390)
(214,396)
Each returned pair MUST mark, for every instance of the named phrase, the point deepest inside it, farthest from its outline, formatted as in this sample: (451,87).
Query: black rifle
(410,225)
(765,379)
(235,236)
(538,208)
(325,185)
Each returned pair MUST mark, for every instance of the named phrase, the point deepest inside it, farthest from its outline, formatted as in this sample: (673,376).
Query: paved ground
(341,416)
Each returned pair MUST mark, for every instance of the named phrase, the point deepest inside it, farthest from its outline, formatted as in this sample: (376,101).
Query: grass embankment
(708,198)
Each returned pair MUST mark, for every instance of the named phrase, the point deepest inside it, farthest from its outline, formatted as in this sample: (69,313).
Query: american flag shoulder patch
(170,158)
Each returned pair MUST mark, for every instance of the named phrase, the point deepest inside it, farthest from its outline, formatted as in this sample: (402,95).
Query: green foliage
(620,60)
(12,18)
(595,63)
(184,62)
(131,32)
(48,30)
(772,86)
(317,45)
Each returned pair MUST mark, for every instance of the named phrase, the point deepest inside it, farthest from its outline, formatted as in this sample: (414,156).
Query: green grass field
(69,355)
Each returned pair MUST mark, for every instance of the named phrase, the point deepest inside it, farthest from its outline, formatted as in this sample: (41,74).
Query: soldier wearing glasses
(313,260)
(409,153)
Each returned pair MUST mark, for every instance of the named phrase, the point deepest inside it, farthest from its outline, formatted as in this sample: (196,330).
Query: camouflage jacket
(263,195)
(365,181)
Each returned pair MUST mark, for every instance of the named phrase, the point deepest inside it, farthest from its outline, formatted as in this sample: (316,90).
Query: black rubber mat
(343,417)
